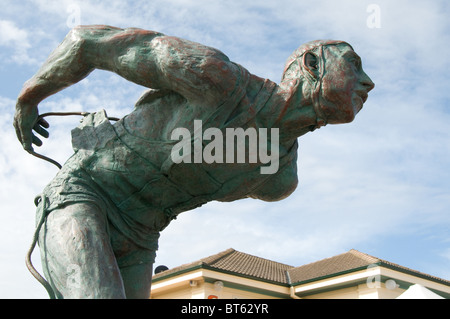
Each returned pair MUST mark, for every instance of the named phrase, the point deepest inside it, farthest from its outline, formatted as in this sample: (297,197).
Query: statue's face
(344,84)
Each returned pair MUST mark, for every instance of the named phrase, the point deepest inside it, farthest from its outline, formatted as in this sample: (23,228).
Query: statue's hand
(25,121)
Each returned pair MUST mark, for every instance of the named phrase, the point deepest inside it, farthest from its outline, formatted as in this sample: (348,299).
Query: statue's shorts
(130,245)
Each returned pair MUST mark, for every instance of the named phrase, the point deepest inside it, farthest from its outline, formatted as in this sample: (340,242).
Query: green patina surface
(105,208)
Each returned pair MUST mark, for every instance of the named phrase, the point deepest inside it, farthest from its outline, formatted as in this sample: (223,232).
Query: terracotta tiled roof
(252,266)
(346,262)
(352,259)
(243,264)
(240,263)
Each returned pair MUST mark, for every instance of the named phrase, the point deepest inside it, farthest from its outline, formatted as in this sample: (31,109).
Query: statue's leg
(135,264)
(137,280)
(77,256)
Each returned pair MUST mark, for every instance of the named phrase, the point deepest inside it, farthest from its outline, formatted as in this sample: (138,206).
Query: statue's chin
(358,103)
(342,114)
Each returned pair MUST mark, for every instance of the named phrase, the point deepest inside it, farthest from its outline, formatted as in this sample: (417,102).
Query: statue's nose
(367,82)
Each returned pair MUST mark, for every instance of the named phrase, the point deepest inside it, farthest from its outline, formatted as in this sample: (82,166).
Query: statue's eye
(311,61)
(356,62)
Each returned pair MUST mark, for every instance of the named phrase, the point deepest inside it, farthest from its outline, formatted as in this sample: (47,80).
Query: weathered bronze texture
(103,212)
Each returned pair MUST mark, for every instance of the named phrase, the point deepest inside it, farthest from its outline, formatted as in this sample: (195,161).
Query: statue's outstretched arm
(201,74)
(83,50)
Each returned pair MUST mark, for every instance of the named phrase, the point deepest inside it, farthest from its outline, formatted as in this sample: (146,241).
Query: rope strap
(28,262)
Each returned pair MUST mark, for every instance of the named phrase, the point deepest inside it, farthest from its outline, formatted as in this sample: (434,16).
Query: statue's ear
(311,63)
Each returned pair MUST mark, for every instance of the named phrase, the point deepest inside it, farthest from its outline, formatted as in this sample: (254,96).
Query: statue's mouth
(363,95)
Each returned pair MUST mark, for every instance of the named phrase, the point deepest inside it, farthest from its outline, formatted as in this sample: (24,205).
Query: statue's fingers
(26,140)
(41,130)
(24,137)
(37,141)
(43,123)
(23,132)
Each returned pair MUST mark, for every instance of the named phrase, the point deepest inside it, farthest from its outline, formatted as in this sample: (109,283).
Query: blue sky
(380,184)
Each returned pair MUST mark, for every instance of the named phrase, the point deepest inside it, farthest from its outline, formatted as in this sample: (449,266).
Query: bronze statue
(103,212)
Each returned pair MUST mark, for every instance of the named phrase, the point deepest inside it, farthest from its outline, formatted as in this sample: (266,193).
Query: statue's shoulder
(151,95)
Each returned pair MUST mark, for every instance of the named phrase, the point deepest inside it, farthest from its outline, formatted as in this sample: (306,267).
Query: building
(236,275)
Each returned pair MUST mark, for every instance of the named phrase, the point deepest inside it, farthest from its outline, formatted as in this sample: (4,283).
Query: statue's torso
(130,161)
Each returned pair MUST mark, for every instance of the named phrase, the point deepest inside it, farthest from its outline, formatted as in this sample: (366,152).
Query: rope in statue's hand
(39,120)
(43,199)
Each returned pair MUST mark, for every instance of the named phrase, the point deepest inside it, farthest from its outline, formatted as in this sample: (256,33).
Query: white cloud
(386,173)
(11,35)
(17,42)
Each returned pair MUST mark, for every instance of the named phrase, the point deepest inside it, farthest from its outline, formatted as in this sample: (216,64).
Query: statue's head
(328,73)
